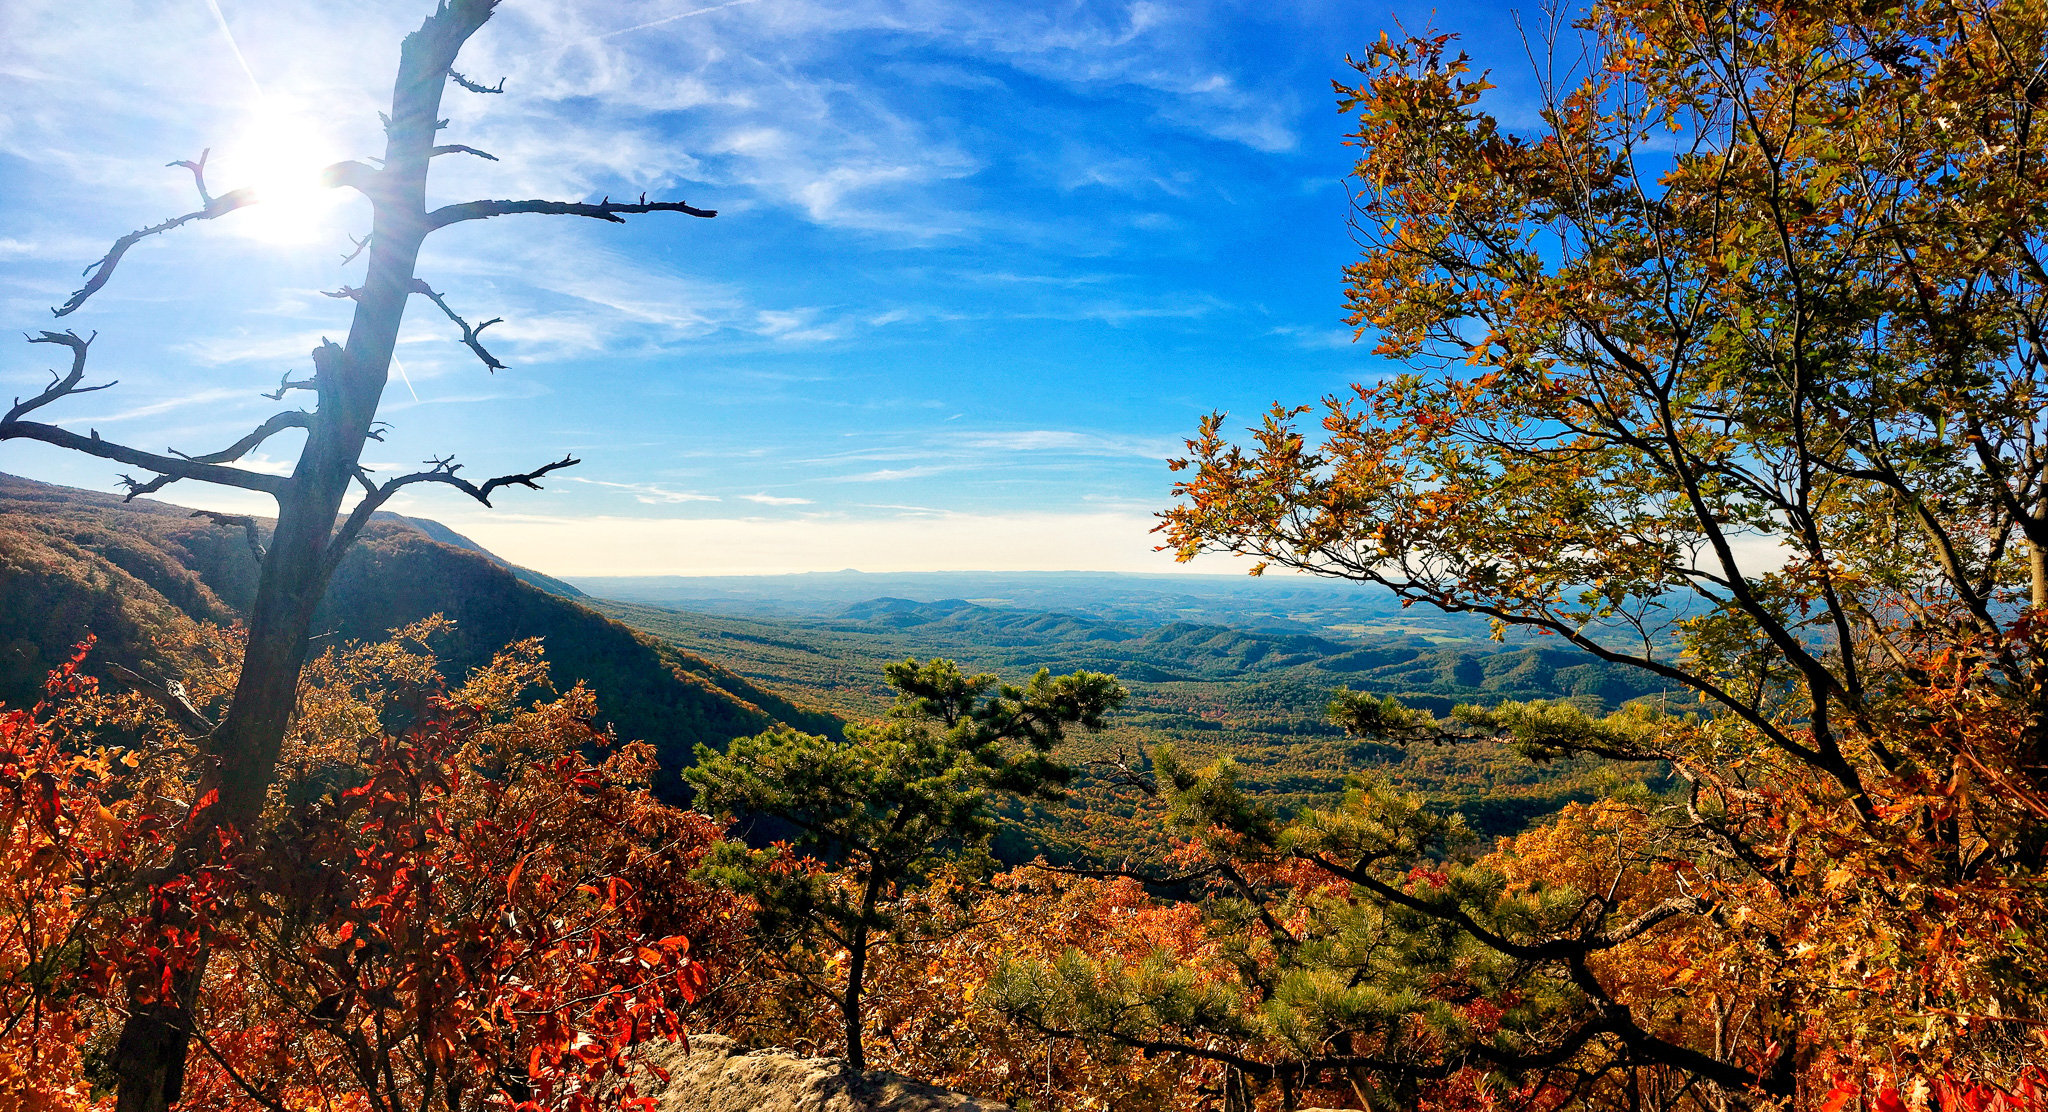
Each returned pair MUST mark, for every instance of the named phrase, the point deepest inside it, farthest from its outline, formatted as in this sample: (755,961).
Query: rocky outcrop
(714,1075)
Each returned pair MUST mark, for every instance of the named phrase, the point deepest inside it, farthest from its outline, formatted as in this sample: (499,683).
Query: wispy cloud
(652,494)
(152,409)
(1066,441)
(888,475)
(775,500)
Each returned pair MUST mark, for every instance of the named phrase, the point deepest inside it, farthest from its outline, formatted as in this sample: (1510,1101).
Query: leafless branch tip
(471,337)
(473,86)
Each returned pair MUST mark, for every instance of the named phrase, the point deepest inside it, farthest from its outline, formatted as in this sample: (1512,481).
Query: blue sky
(978,267)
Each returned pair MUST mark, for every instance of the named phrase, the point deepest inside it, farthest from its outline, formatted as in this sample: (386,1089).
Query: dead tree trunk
(240,755)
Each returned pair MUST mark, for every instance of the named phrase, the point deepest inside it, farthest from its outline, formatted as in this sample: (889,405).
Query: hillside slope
(74,562)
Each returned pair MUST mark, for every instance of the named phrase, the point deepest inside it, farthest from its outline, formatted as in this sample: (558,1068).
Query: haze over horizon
(978,268)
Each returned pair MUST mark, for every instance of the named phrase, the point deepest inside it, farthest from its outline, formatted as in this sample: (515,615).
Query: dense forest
(1717,779)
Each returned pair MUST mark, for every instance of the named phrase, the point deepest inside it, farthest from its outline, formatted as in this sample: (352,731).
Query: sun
(280,155)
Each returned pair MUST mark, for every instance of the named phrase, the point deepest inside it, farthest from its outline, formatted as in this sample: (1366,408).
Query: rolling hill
(1257,695)
(74,562)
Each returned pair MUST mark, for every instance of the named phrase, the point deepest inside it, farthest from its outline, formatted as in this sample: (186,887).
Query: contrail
(651,22)
(406,378)
(214,6)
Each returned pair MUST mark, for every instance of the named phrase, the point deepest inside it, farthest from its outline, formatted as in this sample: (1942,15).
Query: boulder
(714,1075)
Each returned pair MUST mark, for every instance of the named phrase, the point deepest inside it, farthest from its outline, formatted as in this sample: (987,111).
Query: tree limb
(358,176)
(286,383)
(473,86)
(606,209)
(247,523)
(441,471)
(60,386)
(290,419)
(469,335)
(169,696)
(98,273)
(169,468)
(198,173)
(460,148)
(353,175)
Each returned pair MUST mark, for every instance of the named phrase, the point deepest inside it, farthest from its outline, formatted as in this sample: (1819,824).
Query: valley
(1254,692)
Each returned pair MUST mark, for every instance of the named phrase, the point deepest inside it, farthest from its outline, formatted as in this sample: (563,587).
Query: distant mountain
(1425,672)
(1273,601)
(1258,695)
(74,562)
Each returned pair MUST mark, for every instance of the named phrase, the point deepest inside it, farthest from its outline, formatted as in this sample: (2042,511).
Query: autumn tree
(54,824)
(311,531)
(461,896)
(1728,367)
(884,807)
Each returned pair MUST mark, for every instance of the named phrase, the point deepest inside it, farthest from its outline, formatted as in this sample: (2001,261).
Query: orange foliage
(450,901)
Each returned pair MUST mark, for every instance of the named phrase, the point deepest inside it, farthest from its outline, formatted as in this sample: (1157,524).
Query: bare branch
(606,209)
(470,336)
(290,419)
(358,176)
(352,175)
(361,245)
(286,383)
(247,523)
(169,696)
(60,385)
(97,274)
(473,86)
(444,472)
(136,488)
(460,148)
(168,468)
(439,471)
(198,174)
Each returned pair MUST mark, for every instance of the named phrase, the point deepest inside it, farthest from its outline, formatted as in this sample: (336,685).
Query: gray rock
(714,1075)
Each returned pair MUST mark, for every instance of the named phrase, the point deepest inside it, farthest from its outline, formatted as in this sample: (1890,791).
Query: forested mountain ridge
(75,562)
(1257,696)
(1424,671)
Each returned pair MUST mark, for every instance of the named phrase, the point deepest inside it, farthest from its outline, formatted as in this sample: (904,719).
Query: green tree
(888,804)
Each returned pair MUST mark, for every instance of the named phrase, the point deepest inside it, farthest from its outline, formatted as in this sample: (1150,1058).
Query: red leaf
(512,879)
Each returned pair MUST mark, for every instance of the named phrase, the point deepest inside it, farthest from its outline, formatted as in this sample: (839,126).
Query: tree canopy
(1729,366)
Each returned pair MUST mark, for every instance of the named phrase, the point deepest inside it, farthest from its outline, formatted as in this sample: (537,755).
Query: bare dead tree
(240,752)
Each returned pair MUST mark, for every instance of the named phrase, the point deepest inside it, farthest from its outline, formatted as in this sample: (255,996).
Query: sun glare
(280,155)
